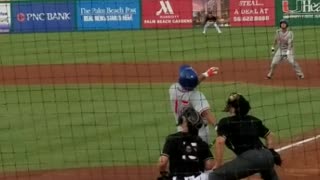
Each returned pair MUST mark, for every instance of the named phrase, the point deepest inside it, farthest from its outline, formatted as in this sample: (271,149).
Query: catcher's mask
(193,119)
(239,103)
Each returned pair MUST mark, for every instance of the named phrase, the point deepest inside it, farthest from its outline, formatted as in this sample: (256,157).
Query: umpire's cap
(284,21)
(192,116)
(188,77)
(237,101)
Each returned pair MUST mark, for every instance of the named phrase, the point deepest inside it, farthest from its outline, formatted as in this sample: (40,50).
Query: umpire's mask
(239,103)
(193,119)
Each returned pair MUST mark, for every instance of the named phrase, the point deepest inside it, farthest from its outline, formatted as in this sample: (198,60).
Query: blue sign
(43,17)
(106,14)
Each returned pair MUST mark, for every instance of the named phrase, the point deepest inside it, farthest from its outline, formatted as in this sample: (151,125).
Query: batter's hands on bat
(211,72)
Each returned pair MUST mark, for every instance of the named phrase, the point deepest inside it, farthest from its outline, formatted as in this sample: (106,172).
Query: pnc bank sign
(55,16)
(43,17)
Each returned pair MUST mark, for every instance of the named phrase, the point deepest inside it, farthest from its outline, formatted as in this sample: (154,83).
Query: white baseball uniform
(180,99)
(284,52)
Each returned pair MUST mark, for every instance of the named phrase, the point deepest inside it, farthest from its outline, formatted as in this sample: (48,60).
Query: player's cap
(239,102)
(283,21)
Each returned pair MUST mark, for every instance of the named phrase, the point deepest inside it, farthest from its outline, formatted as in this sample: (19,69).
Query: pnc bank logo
(54,16)
(21,17)
(166,8)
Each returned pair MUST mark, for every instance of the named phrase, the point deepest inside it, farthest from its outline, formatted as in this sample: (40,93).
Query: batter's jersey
(242,134)
(187,154)
(284,39)
(181,99)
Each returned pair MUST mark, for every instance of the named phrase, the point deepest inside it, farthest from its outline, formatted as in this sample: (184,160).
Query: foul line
(297,143)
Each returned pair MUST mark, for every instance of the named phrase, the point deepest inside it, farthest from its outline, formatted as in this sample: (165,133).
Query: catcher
(241,133)
(185,154)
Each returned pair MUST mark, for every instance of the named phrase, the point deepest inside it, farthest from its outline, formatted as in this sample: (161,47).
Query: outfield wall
(88,15)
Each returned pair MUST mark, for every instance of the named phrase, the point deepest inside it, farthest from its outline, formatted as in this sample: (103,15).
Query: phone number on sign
(251,18)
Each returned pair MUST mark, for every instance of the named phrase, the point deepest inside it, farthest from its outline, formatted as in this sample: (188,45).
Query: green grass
(49,127)
(150,46)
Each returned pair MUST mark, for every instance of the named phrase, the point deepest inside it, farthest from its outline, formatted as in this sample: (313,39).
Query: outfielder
(241,133)
(184,153)
(210,21)
(285,51)
(183,95)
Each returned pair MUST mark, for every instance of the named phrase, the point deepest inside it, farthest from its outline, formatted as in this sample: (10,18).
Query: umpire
(185,154)
(241,133)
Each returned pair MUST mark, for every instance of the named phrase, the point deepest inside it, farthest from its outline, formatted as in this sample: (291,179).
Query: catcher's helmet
(237,101)
(193,119)
(284,21)
(188,77)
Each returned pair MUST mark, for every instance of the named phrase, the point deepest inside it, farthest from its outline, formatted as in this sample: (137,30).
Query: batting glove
(211,72)
(272,49)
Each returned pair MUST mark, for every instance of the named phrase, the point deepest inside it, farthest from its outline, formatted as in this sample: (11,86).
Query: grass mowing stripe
(149,45)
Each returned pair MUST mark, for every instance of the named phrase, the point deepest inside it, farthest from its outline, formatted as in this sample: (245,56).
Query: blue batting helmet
(283,21)
(188,77)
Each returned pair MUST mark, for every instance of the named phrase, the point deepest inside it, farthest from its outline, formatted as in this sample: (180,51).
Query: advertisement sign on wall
(102,15)
(5,19)
(252,13)
(299,12)
(42,17)
(167,13)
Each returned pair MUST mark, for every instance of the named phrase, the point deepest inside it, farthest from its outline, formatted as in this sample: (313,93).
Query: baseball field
(95,105)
